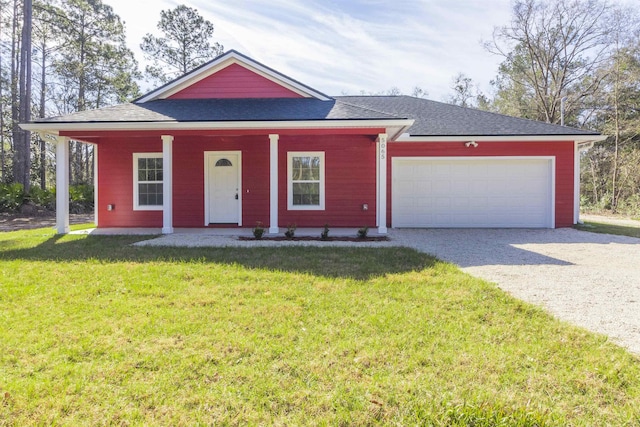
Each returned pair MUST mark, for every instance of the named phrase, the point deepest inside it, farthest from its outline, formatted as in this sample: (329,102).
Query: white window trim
(136,206)
(290,205)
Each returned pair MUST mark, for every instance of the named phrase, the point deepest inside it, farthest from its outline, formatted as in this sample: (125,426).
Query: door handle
(236,196)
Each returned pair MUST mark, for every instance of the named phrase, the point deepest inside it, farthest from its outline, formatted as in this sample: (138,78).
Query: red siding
(562,151)
(188,180)
(350,181)
(115,183)
(235,81)
(350,176)
(349,165)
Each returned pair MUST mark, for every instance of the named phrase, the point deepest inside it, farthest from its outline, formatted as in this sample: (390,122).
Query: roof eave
(503,138)
(395,127)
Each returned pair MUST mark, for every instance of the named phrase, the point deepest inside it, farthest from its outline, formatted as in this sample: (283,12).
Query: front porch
(261,190)
(243,237)
(225,232)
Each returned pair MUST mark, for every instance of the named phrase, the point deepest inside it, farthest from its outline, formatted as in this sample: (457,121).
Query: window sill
(147,208)
(305,208)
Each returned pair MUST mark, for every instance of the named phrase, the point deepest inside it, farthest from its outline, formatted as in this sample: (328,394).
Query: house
(235,142)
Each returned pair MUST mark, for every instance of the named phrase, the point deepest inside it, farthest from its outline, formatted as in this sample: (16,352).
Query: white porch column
(167,184)
(273,183)
(576,184)
(382,183)
(62,185)
(95,184)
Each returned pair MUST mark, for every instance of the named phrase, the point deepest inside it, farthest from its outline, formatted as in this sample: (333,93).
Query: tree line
(575,62)
(62,56)
(57,58)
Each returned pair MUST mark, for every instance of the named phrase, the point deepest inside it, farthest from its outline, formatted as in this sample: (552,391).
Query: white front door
(223,188)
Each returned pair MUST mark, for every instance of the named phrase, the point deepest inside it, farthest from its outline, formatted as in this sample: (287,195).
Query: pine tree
(186,43)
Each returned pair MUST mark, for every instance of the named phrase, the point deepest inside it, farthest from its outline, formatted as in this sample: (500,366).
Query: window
(147,181)
(305,181)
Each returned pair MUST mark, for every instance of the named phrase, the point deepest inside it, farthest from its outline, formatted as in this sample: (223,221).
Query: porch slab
(224,232)
(119,231)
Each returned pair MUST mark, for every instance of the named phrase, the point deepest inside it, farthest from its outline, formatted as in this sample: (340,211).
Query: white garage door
(472,192)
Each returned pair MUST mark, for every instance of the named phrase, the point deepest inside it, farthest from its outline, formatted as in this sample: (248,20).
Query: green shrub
(630,206)
(258,230)
(291,231)
(11,197)
(362,232)
(325,232)
(43,198)
(80,198)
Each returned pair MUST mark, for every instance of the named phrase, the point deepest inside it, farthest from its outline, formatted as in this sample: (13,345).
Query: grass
(94,331)
(599,227)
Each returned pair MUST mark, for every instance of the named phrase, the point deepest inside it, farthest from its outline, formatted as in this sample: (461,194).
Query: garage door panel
(423,203)
(460,203)
(479,192)
(478,203)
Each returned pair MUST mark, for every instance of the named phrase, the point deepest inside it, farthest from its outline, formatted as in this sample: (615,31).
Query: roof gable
(235,81)
(233,75)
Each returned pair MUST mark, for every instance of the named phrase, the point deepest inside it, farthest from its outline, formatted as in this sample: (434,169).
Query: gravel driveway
(591,280)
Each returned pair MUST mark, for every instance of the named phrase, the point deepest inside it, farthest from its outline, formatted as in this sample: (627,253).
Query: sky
(347,46)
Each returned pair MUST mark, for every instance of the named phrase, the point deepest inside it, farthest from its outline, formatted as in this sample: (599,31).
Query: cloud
(350,46)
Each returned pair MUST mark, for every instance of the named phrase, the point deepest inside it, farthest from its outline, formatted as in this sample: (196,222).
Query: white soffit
(394,126)
(502,138)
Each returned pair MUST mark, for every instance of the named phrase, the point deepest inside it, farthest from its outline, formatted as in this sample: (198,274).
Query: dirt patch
(14,222)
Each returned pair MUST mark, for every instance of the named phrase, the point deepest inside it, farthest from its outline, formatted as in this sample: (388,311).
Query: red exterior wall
(188,178)
(350,176)
(350,181)
(115,183)
(563,152)
(235,81)
(115,180)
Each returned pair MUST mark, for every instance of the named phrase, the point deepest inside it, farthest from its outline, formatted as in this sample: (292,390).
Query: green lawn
(96,332)
(600,227)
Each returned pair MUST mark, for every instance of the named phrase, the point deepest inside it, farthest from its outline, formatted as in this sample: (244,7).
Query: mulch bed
(318,239)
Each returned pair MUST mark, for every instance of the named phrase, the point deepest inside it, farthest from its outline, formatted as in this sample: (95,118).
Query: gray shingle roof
(213,110)
(431,118)
(439,119)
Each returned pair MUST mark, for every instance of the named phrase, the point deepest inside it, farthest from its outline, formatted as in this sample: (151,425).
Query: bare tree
(552,49)
(45,36)
(419,92)
(14,74)
(3,173)
(22,159)
(618,115)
